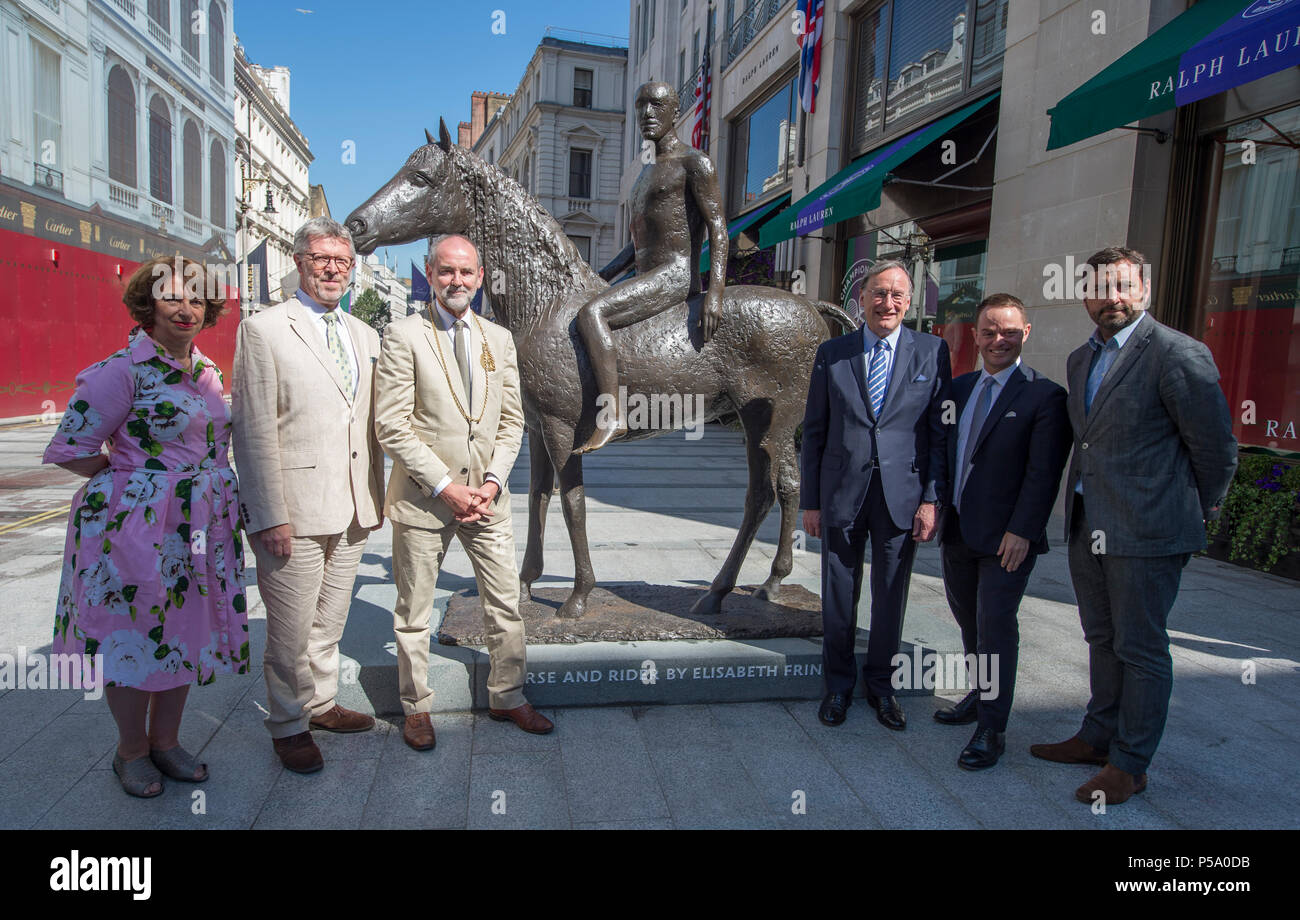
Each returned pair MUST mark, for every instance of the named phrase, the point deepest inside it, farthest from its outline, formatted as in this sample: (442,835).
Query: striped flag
(703,104)
(810,55)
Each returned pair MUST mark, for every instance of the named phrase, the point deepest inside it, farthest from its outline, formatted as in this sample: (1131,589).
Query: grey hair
(436,241)
(885,265)
(321,228)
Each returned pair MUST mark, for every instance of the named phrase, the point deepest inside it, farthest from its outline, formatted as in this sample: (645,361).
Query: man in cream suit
(448,412)
(311,482)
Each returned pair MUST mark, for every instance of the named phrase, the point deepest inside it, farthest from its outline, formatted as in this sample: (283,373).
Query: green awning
(856,189)
(742,223)
(1214,46)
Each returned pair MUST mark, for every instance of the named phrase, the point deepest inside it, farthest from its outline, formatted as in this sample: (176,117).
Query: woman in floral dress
(153,565)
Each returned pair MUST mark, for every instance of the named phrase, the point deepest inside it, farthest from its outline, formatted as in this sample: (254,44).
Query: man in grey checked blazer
(1153,458)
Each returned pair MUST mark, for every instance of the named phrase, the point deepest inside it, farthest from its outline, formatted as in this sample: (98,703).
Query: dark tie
(878,376)
(982,404)
(462,354)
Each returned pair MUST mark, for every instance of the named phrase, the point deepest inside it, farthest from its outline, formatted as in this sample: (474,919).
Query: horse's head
(407,207)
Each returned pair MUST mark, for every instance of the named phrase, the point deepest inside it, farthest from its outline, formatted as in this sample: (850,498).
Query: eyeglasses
(321,261)
(897,297)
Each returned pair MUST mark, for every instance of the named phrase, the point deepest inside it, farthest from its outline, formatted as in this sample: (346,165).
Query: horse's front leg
(574,502)
(541,481)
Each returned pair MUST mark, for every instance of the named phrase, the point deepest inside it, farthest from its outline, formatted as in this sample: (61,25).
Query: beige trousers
(307,596)
(417,557)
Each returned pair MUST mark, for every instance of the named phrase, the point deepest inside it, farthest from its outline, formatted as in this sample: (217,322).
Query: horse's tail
(836,315)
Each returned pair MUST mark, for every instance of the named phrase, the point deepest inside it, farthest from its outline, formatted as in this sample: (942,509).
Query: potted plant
(1260,522)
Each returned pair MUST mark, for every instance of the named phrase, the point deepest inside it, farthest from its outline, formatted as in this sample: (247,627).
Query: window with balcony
(582,82)
(579,173)
(160,22)
(192,165)
(216,43)
(914,56)
(48,109)
(217,183)
(160,150)
(121,128)
(190,37)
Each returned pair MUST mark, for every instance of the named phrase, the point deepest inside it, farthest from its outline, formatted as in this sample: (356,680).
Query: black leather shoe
(985,747)
(962,713)
(888,712)
(833,709)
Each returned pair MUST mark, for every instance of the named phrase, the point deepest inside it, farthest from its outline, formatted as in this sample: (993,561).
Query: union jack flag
(703,104)
(810,56)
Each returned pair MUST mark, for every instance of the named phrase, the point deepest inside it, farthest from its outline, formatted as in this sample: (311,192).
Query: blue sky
(379,72)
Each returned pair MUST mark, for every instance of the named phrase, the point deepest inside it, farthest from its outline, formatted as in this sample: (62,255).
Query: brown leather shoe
(418,732)
(525,716)
(343,720)
(1116,785)
(298,753)
(1075,750)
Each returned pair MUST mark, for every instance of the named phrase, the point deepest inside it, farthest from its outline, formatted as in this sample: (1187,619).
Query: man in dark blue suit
(874,463)
(1009,450)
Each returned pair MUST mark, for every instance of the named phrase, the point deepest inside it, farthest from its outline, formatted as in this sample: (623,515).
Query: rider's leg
(634,300)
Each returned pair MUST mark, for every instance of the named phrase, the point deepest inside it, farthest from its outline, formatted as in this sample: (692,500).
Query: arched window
(121,128)
(217,170)
(216,43)
(189,37)
(192,148)
(160,150)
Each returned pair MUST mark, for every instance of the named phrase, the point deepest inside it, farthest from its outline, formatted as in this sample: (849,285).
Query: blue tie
(982,405)
(878,376)
(1103,359)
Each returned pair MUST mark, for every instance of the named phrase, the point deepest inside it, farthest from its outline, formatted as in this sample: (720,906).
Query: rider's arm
(703,181)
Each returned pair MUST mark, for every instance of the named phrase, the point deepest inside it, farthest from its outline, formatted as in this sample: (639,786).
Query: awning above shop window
(856,189)
(1214,46)
(743,223)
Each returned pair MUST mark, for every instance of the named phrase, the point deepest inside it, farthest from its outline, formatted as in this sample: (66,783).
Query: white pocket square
(920,378)
(1011,414)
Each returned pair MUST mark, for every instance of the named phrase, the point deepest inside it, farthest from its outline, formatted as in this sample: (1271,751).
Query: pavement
(1227,759)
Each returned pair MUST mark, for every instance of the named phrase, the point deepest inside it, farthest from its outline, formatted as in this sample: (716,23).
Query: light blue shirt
(869,340)
(964,433)
(1104,356)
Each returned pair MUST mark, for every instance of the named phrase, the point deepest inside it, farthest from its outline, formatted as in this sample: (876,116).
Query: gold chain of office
(485,359)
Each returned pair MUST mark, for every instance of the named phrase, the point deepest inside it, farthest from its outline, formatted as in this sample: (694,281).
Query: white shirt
(445,321)
(318,314)
(964,433)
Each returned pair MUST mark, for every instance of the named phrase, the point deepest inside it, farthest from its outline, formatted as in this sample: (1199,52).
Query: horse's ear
(428,137)
(444,136)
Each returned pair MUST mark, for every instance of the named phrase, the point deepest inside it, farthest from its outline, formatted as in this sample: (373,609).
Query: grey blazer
(1156,453)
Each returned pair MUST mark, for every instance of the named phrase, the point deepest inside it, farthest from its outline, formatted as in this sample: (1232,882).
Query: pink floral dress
(153,565)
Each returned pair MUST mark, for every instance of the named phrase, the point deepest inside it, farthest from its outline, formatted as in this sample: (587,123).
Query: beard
(458,300)
(1114,322)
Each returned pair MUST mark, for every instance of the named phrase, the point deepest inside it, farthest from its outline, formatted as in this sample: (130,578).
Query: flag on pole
(255,276)
(703,104)
(419,285)
(810,56)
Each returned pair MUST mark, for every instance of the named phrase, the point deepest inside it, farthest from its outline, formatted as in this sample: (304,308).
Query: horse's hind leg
(541,480)
(573,500)
(786,462)
(756,417)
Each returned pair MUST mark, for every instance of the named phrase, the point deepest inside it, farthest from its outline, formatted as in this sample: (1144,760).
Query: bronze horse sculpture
(756,365)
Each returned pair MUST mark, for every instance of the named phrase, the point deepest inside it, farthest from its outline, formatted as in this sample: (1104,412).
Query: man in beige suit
(311,482)
(448,412)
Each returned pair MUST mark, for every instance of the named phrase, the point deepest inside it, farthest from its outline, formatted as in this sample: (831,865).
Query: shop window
(763,148)
(1251,302)
(913,56)
(121,128)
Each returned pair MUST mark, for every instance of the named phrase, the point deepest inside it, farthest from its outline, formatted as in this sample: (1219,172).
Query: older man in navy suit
(874,463)
(1013,437)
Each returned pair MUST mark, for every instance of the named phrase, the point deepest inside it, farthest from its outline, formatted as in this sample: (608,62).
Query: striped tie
(878,376)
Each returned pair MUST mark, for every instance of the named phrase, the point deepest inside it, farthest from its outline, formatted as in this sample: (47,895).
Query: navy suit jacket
(841,434)
(1019,455)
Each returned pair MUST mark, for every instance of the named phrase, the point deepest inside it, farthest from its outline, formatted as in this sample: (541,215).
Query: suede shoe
(525,716)
(1115,785)
(1074,750)
(418,732)
(960,713)
(338,719)
(298,753)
